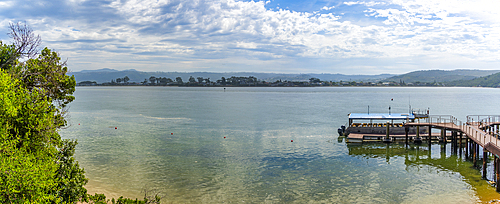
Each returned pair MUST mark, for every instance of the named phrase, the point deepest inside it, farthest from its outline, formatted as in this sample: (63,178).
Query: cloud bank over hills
(351,37)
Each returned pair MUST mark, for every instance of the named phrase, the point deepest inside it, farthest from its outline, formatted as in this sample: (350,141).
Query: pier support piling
(407,129)
(387,139)
(494,169)
(418,140)
(474,154)
(460,144)
(430,135)
(497,173)
(485,158)
(455,142)
(443,136)
(466,148)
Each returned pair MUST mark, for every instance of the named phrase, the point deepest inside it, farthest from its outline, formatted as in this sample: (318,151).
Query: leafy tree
(71,179)
(47,72)
(126,79)
(179,80)
(25,45)
(34,94)
(314,80)
(192,80)
(118,80)
(27,169)
(152,79)
(200,80)
(165,80)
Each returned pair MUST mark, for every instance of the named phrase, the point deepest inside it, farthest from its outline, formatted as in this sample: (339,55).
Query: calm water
(172,138)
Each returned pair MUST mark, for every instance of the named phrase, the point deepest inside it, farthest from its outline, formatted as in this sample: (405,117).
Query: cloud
(123,34)
(325,8)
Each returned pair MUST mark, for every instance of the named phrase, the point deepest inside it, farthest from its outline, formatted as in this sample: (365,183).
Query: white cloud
(327,8)
(167,31)
(6,4)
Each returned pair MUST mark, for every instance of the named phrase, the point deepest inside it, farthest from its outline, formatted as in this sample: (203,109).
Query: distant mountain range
(106,75)
(459,77)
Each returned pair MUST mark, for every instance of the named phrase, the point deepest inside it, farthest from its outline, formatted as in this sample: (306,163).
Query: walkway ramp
(473,128)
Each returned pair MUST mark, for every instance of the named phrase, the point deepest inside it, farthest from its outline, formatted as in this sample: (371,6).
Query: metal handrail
(444,120)
(479,118)
(470,128)
(480,135)
(491,119)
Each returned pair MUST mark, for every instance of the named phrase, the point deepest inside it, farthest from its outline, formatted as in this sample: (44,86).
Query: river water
(210,145)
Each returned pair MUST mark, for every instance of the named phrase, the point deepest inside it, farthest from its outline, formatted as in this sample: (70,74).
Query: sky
(279,36)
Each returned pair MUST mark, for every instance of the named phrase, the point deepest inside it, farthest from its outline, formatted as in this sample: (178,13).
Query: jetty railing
(472,128)
(444,121)
(482,118)
(479,135)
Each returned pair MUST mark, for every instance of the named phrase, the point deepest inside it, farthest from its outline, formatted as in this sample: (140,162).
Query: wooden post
(494,168)
(430,135)
(497,173)
(407,129)
(418,131)
(387,130)
(387,139)
(474,154)
(460,144)
(443,135)
(477,150)
(455,142)
(466,148)
(485,158)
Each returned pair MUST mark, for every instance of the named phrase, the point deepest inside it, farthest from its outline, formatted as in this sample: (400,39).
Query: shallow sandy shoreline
(94,187)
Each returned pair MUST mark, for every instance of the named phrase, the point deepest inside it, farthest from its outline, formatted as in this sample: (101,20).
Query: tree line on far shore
(244,81)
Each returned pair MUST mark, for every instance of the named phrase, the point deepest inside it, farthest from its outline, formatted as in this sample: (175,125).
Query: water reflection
(438,159)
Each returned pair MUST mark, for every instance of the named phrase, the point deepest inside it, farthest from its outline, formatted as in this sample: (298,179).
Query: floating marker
(224,137)
(78,123)
(172,133)
(116,128)
(292,141)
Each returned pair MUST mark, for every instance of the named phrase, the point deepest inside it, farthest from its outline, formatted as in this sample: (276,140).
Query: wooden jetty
(479,131)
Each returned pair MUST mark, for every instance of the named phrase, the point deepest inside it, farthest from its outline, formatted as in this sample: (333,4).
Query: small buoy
(224,137)
(172,133)
(78,123)
(116,128)
(292,141)
(392,99)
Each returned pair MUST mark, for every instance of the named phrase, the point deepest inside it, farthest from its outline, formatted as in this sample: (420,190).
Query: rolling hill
(440,75)
(485,81)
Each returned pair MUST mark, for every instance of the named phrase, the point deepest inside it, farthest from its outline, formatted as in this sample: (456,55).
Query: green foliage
(101,199)
(71,179)
(8,56)
(36,166)
(48,73)
(27,169)
(97,199)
